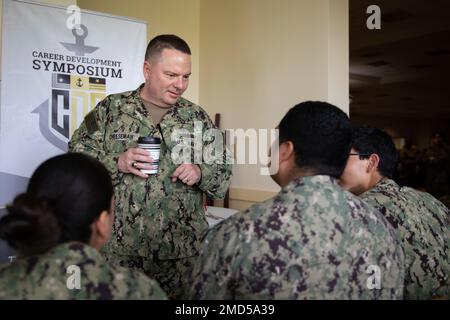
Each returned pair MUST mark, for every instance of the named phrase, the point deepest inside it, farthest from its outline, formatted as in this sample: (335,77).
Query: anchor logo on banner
(79,48)
(72,97)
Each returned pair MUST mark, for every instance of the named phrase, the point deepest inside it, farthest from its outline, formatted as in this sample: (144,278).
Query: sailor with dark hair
(422,222)
(57,226)
(312,240)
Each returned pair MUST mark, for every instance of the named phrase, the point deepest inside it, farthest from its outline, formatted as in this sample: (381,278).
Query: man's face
(356,177)
(166,77)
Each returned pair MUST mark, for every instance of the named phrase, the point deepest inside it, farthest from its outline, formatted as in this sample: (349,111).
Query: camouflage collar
(134,106)
(72,250)
(384,184)
(310,181)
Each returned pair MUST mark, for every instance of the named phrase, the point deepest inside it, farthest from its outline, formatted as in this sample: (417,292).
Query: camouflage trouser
(172,274)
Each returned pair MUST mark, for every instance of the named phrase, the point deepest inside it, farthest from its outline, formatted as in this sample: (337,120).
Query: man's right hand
(138,157)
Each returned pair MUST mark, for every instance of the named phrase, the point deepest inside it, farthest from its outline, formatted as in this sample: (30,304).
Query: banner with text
(54,74)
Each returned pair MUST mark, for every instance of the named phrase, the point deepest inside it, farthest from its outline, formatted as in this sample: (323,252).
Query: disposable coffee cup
(153,145)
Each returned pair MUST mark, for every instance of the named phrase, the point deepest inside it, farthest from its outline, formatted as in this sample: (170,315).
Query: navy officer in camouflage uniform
(160,218)
(422,222)
(57,227)
(312,240)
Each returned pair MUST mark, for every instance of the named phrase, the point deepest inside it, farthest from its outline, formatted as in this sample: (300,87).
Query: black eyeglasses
(362,156)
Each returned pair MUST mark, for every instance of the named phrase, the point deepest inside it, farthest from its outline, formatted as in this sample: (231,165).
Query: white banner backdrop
(52,76)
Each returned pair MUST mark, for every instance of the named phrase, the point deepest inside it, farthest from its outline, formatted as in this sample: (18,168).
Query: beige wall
(180,17)
(260,57)
(338,54)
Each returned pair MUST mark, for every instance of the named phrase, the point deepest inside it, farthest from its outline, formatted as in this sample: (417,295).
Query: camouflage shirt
(154,217)
(423,224)
(313,240)
(52,276)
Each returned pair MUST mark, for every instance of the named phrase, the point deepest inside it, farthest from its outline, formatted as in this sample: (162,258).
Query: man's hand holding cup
(143,160)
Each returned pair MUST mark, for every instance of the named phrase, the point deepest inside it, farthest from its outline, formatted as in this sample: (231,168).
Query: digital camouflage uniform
(159,224)
(313,240)
(423,224)
(47,276)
